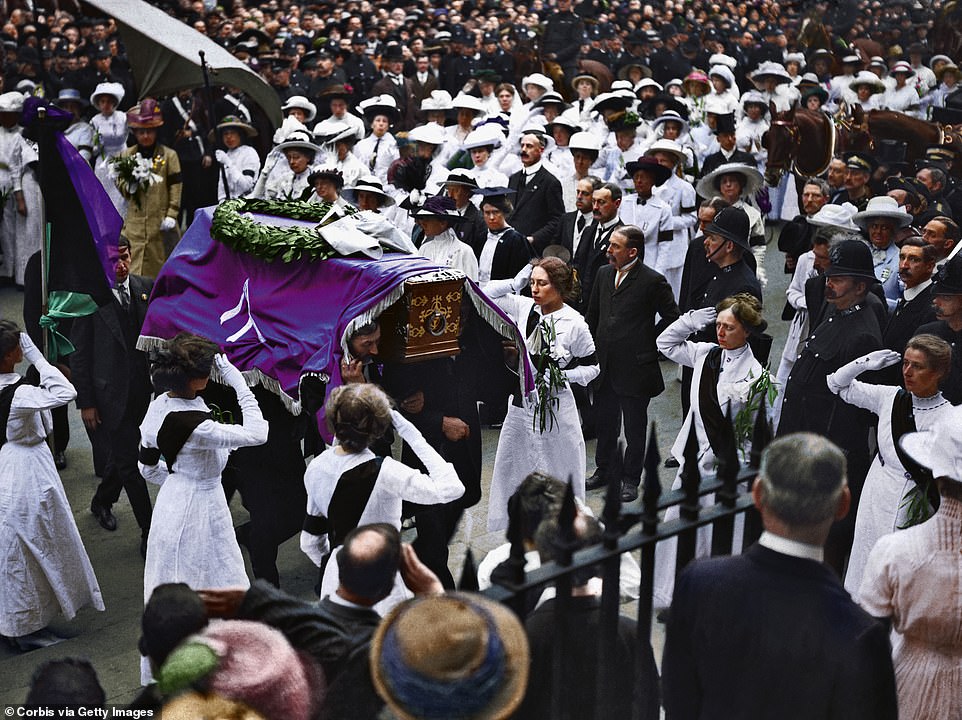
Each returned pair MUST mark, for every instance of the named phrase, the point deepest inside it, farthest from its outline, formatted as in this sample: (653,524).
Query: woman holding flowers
(728,379)
(153,194)
(542,432)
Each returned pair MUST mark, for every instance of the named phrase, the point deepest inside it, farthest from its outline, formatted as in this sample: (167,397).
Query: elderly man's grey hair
(802,477)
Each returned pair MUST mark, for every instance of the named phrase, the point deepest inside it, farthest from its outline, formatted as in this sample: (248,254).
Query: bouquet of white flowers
(132,174)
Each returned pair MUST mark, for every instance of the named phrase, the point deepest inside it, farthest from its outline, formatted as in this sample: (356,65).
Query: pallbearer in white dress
(558,450)
(44,564)
(723,375)
(184,450)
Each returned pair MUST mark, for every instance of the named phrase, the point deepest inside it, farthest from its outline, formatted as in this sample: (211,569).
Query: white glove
(701,318)
(875,360)
(522,279)
(232,376)
(167,224)
(222,157)
(30,351)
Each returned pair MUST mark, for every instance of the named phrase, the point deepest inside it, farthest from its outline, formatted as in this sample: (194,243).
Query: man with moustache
(914,308)
(574,223)
(848,331)
(539,202)
(592,250)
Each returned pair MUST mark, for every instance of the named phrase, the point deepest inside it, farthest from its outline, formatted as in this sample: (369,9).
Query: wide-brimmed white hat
(113,89)
(670,116)
(838,216)
(722,59)
(570,119)
(385,105)
(796,58)
(771,69)
(667,146)
(584,141)
(868,78)
(367,183)
(753,179)
(724,72)
(938,449)
(298,140)
(542,81)
(11,102)
(438,100)
(882,206)
(487,135)
(302,103)
(429,133)
(902,67)
(463,101)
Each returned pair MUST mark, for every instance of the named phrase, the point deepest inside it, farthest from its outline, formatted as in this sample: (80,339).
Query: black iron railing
(632,527)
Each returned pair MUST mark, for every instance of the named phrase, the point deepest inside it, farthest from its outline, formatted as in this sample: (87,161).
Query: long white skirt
(666,552)
(191,541)
(44,563)
(522,449)
(879,513)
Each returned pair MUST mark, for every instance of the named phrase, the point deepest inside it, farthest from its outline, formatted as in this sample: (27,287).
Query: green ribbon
(63,305)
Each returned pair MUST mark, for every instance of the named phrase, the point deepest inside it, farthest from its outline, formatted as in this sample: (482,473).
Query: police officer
(561,41)
(849,330)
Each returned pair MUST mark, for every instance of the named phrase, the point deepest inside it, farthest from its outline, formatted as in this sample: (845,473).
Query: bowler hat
(851,258)
(731,223)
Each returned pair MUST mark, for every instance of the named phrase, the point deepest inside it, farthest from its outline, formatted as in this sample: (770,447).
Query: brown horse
(917,134)
(801,141)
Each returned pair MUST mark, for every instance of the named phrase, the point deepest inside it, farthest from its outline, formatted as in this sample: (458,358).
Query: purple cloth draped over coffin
(284,320)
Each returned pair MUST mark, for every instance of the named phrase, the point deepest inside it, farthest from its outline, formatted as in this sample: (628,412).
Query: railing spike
(469,574)
(761,434)
(566,524)
(690,476)
(611,512)
(651,487)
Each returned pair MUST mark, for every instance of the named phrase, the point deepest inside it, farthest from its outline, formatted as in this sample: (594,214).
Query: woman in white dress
(110,137)
(44,564)
(440,244)
(348,486)
(882,508)
(724,372)
(240,162)
(914,580)
(556,330)
(184,450)
(288,164)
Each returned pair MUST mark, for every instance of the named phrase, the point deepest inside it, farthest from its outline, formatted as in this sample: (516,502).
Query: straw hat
(585,141)
(696,77)
(667,146)
(452,655)
(882,206)
(145,114)
(670,116)
(463,101)
(585,77)
(430,133)
(948,67)
(367,183)
(708,185)
(232,122)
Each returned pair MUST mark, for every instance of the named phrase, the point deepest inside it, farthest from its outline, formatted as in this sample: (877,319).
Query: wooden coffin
(425,323)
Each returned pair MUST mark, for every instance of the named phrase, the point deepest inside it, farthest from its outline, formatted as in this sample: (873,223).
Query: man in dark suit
(423,83)
(113,389)
(625,298)
(916,265)
(574,223)
(538,204)
(593,249)
(399,87)
(772,633)
(948,323)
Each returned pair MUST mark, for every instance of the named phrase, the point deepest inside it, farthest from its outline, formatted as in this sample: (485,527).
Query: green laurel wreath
(236,229)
